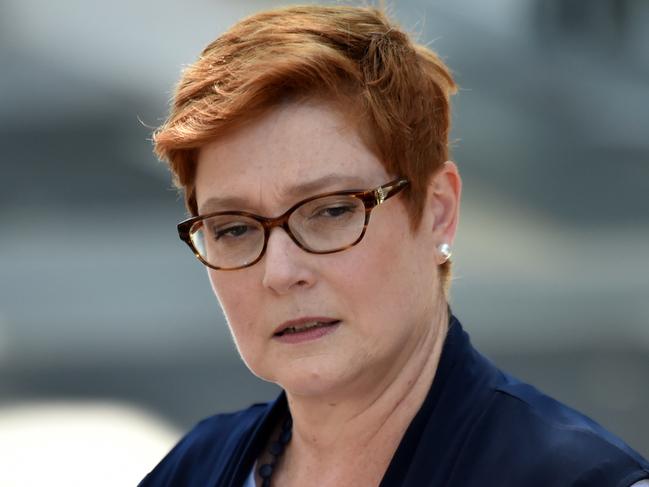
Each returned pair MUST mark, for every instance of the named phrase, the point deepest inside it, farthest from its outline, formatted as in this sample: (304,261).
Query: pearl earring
(445,250)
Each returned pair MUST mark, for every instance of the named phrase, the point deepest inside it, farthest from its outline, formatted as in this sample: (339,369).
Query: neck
(343,435)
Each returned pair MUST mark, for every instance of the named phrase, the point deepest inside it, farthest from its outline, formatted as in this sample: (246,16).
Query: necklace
(276,450)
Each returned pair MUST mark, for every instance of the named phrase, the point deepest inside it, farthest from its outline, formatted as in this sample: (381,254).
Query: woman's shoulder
(479,423)
(558,425)
(533,430)
(206,451)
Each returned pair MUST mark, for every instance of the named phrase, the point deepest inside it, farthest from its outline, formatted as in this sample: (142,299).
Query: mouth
(304,326)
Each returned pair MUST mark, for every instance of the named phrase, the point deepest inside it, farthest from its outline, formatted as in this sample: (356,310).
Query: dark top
(477,427)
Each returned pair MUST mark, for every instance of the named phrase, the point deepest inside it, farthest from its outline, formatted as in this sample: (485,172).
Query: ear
(443,200)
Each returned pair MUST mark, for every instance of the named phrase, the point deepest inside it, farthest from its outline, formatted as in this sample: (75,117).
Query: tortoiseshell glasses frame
(370,198)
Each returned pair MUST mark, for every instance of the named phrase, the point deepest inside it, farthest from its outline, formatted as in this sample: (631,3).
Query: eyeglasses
(322,224)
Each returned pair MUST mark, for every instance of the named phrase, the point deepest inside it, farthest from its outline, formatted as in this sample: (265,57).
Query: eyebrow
(328,182)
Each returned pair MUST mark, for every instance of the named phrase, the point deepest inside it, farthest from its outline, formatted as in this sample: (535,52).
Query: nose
(285,266)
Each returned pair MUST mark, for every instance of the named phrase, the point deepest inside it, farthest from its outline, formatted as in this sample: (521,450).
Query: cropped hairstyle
(395,89)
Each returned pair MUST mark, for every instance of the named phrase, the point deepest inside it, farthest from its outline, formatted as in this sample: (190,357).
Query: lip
(308,335)
(302,321)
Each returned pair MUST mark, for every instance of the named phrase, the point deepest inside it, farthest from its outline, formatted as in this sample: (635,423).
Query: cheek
(397,276)
(236,305)
(242,309)
(368,278)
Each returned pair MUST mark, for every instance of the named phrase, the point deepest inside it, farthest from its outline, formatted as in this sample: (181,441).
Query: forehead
(293,151)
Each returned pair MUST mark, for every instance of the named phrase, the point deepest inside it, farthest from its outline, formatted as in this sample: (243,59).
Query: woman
(311,144)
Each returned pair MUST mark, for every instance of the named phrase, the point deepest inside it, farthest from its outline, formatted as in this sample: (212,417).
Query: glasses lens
(328,223)
(228,241)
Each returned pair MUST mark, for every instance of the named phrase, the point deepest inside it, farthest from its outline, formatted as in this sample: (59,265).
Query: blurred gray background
(100,300)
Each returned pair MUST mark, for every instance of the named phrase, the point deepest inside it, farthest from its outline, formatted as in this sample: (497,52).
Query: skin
(353,392)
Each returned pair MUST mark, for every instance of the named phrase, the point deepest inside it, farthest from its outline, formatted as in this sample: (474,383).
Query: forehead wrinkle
(287,195)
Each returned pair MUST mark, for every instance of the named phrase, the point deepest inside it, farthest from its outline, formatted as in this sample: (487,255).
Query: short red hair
(354,57)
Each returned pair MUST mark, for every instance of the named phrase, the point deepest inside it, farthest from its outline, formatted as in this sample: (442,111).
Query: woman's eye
(232,231)
(334,211)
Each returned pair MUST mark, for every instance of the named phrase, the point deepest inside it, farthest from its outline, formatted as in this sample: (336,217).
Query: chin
(307,379)
(310,389)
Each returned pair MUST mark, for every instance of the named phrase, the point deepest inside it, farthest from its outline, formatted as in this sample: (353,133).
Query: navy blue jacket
(477,427)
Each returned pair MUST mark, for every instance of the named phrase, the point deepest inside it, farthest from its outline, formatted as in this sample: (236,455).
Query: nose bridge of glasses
(282,222)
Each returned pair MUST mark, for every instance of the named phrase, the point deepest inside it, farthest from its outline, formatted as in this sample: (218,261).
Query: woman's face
(383,294)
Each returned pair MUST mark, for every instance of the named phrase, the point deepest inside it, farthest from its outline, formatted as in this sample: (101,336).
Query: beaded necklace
(276,449)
